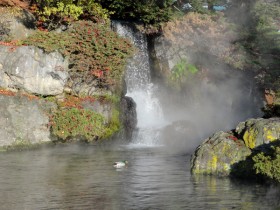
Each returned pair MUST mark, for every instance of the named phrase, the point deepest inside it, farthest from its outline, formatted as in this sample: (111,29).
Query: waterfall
(207,106)
(141,89)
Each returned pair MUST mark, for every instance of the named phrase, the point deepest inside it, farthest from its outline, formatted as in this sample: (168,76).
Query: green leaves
(268,164)
(149,12)
(183,70)
(55,12)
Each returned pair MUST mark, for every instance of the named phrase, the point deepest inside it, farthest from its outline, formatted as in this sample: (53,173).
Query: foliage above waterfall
(56,12)
(94,51)
(146,11)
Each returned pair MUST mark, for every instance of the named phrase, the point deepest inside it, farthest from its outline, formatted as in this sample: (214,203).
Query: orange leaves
(13,44)
(7,93)
(97,73)
(11,93)
(233,138)
(30,97)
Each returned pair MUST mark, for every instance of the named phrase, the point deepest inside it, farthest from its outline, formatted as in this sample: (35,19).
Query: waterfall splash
(141,89)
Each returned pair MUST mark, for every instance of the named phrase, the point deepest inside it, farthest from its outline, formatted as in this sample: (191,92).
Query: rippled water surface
(82,177)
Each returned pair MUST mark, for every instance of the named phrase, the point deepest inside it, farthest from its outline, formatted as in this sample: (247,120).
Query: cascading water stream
(207,106)
(141,89)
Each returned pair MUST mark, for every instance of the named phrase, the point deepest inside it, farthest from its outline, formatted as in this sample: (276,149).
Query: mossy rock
(218,154)
(256,132)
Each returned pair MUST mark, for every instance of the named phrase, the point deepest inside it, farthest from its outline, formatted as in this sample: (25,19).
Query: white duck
(120,164)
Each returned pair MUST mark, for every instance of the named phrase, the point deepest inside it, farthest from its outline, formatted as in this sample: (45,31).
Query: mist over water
(218,100)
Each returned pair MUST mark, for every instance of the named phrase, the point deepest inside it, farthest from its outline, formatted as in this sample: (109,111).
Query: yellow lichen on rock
(212,164)
(270,135)
(250,138)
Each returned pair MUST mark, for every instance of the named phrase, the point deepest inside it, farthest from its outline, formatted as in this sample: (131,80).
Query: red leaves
(236,140)
(76,102)
(233,138)
(7,93)
(11,93)
(97,73)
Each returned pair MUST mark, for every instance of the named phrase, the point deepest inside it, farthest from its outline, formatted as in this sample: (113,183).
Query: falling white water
(141,89)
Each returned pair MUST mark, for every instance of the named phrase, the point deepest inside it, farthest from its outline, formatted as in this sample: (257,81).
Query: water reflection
(80,177)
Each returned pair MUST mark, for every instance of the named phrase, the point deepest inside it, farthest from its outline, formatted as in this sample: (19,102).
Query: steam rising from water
(180,122)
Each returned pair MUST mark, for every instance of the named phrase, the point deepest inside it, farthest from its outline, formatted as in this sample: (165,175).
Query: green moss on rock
(250,137)
(260,131)
(217,154)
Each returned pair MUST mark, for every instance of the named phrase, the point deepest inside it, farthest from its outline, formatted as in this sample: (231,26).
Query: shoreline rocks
(220,153)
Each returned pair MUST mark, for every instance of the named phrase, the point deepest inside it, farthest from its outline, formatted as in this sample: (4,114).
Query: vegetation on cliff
(94,51)
(97,58)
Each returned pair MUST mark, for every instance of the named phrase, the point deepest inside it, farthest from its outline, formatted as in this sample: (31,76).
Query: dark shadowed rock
(128,116)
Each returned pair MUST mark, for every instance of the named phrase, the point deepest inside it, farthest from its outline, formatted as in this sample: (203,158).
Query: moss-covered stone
(218,153)
(256,132)
(250,137)
(249,151)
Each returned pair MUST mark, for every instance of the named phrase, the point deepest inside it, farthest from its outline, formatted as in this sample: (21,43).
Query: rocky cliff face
(29,69)
(24,121)
(31,78)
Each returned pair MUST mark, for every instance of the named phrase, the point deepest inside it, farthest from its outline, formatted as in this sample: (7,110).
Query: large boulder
(30,69)
(220,153)
(217,154)
(24,120)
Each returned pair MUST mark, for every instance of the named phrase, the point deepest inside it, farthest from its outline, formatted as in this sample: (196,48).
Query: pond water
(83,177)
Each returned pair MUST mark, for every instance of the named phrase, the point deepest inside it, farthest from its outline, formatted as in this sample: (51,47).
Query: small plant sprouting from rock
(183,72)
(183,69)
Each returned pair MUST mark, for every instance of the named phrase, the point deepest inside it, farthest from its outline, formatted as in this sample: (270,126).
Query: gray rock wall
(24,121)
(28,68)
